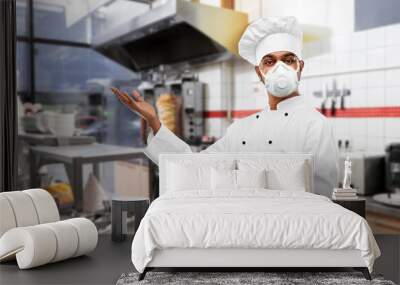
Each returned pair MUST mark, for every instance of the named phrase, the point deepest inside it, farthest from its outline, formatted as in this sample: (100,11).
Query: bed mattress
(252,219)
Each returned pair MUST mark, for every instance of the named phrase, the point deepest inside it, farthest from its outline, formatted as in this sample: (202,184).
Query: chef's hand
(136,104)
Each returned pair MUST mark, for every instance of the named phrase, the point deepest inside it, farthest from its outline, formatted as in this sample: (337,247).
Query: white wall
(367,62)
(338,15)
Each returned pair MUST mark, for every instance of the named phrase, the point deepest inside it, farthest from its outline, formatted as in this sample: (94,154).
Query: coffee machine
(392,177)
(392,168)
(192,112)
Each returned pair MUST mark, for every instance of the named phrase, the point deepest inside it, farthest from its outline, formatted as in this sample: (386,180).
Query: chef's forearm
(154,124)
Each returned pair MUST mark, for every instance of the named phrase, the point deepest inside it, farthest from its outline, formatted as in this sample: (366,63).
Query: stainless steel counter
(74,157)
(383,219)
(376,207)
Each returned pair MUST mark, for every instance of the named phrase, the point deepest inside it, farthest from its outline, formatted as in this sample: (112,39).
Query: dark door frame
(8,97)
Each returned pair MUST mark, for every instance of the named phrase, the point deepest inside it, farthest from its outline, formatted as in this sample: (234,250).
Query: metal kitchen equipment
(175,32)
(392,175)
(392,162)
(367,172)
(193,111)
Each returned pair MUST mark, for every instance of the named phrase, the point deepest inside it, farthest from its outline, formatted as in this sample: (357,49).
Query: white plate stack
(344,194)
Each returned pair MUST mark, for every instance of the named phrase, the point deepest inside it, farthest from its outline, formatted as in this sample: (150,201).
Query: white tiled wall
(249,92)
(215,96)
(367,62)
(338,15)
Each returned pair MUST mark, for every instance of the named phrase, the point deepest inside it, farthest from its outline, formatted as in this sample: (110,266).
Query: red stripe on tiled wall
(362,112)
(367,112)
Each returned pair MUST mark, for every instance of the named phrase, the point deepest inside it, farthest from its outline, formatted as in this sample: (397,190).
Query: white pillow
(292,180)
(230,179)
(223,179)
(251,178)
(193,174)
(181,177)
(282,174)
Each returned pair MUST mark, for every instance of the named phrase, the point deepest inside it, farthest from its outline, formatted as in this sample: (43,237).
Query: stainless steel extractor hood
(176,32)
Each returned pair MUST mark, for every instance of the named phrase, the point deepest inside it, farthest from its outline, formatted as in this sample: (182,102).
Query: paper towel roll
(45,205)
(23,207)
(7,218)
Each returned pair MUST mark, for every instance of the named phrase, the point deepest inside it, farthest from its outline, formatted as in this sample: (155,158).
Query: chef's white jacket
(293,127)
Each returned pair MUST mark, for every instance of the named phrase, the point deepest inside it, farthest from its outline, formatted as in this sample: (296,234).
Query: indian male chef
(273,46)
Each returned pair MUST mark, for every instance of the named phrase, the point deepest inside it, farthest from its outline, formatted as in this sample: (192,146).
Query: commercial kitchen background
(352,55)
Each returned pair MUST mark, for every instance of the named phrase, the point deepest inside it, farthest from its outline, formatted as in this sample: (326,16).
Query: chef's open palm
(136,103)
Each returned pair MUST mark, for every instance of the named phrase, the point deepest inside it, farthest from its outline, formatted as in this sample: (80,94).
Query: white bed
(249,227)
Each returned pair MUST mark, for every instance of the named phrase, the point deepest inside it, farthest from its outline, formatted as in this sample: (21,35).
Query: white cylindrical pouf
(23,207)
(67,239)
(45,205)
(34,245)
(87,234)
(7,218)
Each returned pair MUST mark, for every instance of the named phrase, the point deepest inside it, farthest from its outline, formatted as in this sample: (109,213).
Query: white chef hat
(270,34)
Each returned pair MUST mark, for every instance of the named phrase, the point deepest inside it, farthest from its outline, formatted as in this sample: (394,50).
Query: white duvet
(252,218)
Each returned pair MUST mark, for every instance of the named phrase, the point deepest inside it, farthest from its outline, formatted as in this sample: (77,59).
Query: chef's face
(269,60)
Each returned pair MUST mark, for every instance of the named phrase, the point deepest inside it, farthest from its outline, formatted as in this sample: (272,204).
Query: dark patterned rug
(228,278)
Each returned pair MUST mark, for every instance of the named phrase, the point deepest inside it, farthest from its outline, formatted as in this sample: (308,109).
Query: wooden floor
(110,260)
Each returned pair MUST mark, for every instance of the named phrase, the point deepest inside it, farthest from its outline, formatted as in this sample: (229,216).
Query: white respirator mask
(281,80)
